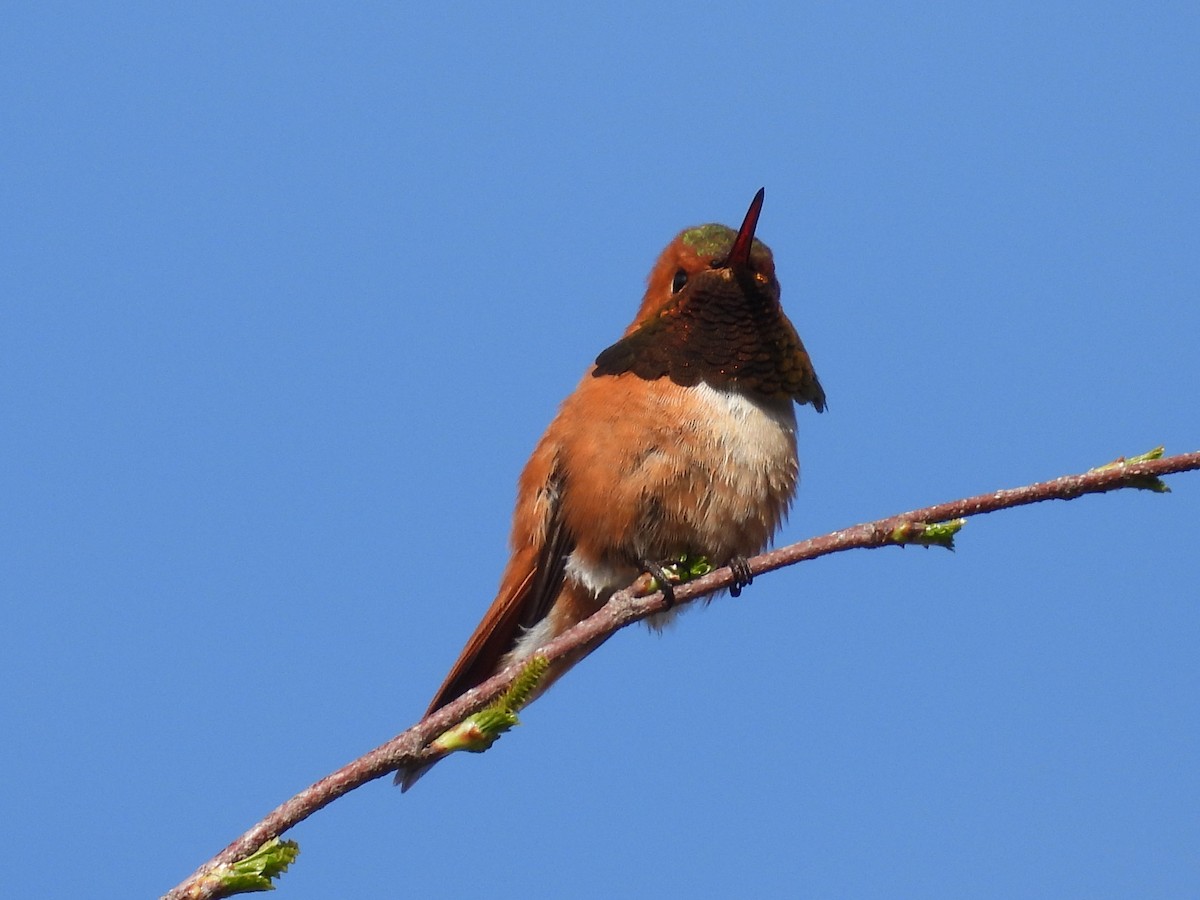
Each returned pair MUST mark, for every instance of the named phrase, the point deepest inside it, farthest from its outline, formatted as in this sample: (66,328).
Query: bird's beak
(739,254)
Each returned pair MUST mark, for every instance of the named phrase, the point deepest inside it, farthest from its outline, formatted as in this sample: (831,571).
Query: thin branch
(636,603)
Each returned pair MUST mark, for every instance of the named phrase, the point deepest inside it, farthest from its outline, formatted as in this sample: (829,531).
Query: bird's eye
(678,281)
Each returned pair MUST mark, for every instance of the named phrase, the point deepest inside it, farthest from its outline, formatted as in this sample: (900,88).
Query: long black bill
(739,254)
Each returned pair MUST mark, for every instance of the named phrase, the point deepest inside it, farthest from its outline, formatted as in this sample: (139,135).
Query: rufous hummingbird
(680,440)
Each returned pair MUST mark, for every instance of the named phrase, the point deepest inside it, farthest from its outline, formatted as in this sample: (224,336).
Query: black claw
(660,575)
(742,576)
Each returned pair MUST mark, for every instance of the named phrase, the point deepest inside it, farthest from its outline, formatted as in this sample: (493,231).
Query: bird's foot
(742,576)
(680,570)
(663,579)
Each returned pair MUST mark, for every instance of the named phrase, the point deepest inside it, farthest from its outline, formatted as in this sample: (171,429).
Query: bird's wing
(531,583)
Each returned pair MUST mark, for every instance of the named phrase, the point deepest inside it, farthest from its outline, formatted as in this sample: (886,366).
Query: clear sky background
(289,293)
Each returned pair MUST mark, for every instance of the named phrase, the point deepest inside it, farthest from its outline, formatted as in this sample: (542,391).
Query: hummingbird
(679,440)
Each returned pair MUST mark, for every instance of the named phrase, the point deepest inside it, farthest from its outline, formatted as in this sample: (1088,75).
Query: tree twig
(636,603)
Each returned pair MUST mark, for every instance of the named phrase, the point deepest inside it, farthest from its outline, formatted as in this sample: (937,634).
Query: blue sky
(290,292)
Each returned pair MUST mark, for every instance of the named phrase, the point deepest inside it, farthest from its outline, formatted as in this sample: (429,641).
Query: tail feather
(407,776)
